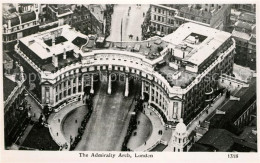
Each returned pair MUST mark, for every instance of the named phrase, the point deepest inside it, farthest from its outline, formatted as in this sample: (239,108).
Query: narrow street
(131,23)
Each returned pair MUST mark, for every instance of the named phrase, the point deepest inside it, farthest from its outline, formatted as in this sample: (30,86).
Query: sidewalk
(155,138)
(55,126)
(204,114)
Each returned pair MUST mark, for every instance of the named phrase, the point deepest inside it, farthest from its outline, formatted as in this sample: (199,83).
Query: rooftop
(234,109)
(15,20)
(247,17)
(196,12)
(97,10)
(241,35)
(220,139)
(244,25)
(198,42)
(36,42)
(209,40)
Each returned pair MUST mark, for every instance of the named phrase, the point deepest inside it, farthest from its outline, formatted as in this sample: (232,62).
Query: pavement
(55,122)
(154,138)
(73,121)
(143,132)
(203,115)
(131,24)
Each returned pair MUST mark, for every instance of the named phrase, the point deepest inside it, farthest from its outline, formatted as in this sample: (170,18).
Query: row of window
(21,27)
(162,11)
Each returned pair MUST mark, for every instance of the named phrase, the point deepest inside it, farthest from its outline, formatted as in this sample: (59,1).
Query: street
(131,23)
(109,121)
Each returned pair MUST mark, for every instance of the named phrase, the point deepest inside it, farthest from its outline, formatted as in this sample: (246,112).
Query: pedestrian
(138,122)
(57,134)
(143,14)
(145,143)
(76,121)
(59,120)
(150,113)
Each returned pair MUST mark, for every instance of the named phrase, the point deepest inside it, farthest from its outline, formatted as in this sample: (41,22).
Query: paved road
(131,23)
(109,121)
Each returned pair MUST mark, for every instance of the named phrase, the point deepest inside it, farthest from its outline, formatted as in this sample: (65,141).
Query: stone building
(66,65)
(167,18)
(18,21)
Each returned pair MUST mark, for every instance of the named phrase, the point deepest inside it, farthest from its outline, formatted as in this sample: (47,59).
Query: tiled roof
(247,17)
(13,17)
(196,12)
(220,139)
(243,25)
(235,108)
(29,16)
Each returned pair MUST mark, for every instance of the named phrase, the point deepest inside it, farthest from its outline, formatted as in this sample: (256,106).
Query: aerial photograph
(129,77)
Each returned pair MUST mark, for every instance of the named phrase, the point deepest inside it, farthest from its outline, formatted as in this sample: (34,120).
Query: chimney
(216,7)
(53,40)
(55,60)
(189,7)
(64,54)
(196,39)
(9,24)
(209,7)
(203,6)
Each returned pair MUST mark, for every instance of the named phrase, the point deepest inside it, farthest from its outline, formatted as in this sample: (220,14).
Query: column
(150,95)
(109,84)
(179,111)
(82,85)
(126,86)
(62,88)
(77,84)
(92,84)
(142,91)
(67,90)
(71,86)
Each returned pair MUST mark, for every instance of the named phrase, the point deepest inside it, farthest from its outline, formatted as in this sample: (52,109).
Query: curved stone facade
(173,101)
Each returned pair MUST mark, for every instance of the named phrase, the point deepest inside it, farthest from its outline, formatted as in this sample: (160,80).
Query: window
(162,19)
(159,10)
(159,18)
(155,9)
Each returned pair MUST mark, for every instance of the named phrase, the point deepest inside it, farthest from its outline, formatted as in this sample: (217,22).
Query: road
(131,24)
(109,121)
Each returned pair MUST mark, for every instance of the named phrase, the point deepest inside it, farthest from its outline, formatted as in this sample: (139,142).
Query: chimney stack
(9,24)
(209,7)
(53,40)
(55,60)
(216,7)
(64,54)
(203,6)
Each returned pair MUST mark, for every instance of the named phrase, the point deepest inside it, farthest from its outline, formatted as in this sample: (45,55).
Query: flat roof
(215,38)
(36,42)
